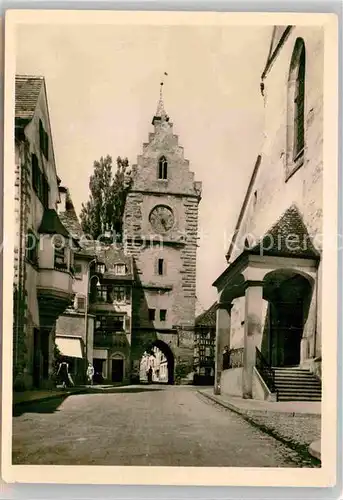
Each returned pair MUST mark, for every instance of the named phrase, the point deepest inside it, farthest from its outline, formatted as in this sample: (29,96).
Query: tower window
(152,314)
(163,314)
(160,267)
(162,168)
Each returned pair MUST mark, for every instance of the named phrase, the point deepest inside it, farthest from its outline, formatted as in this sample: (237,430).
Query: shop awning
(70,347)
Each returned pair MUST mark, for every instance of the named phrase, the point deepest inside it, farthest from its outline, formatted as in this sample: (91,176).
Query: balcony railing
(233,358)
(266,371)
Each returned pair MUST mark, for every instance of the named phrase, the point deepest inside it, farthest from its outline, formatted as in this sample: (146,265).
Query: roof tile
(208,317)
(27,90)
(287,237)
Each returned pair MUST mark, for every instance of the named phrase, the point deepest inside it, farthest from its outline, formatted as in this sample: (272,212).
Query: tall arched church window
(296,108)
(162,168)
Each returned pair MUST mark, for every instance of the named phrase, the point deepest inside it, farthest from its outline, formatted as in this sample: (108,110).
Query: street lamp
(87,302)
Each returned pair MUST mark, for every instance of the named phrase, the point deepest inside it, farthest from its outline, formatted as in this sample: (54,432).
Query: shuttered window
(43,140)
(32,247)
(36,174)
(40,183)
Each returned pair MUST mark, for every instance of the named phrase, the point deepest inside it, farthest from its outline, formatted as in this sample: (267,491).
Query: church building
(269,296)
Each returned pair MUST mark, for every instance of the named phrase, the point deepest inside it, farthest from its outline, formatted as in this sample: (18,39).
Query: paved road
(156,425)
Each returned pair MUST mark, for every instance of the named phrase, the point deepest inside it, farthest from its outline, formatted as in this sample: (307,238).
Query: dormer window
(120,269)
(100,268)
(162,168)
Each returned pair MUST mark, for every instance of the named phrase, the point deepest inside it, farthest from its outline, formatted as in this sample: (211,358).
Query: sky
(103,87)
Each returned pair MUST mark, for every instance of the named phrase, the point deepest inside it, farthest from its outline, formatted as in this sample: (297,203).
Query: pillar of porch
(252,332)
(223,324)
(308,341)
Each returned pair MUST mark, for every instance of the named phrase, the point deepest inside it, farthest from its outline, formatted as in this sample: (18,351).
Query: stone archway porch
(249,276)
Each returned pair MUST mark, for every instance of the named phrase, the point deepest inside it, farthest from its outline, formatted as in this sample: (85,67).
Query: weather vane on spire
(161,86)
(161,113)
(162,79)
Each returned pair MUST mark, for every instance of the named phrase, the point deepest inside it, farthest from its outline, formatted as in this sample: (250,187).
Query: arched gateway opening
(157,364)
(289,296)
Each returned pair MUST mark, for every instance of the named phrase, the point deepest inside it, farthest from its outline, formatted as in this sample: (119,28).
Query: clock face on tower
(161,218)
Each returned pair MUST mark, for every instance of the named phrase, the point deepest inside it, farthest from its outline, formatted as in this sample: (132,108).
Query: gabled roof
(287,237)
(27,90)
(208,317)
(109,254)
(69,218)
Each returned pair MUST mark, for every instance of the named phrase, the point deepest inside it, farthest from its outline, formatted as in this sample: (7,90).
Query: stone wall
(231,382)
(21,360)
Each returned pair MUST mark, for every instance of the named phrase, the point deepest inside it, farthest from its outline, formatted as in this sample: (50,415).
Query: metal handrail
(266,371)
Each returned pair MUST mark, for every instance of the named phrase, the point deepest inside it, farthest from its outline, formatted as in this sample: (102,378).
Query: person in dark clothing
(63,375)
(150,375)
(226,358)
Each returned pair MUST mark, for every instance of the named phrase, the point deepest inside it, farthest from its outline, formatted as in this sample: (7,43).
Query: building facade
(157,361)
(204,347)
(110,302)
(75,327)
(160,232)
(269,308)
(43,253)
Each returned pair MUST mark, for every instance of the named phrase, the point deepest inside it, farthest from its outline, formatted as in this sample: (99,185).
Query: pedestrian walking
(64,376)
(90,373)
(150,375)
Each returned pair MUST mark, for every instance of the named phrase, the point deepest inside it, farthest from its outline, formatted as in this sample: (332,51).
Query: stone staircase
(296,384)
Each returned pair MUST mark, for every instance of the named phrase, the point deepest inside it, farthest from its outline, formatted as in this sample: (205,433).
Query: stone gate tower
(160,232)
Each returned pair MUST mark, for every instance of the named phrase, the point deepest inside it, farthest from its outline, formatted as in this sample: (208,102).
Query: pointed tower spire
(161,114)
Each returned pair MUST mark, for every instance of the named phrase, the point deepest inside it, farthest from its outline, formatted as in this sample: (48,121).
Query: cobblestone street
(143,425)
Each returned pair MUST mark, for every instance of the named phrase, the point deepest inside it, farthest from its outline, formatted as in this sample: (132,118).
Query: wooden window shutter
(127,323)
(41,136)
(35,173)
(46,145)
